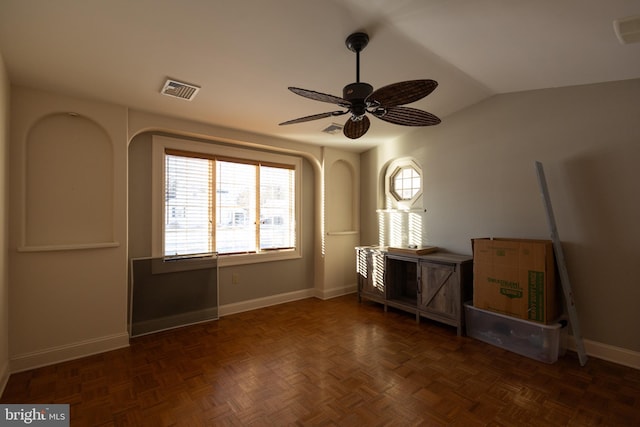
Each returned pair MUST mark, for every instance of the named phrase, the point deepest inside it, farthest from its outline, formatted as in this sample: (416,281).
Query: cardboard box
(516,277)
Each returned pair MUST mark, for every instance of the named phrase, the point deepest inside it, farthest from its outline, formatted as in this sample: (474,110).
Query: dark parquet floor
(328,363)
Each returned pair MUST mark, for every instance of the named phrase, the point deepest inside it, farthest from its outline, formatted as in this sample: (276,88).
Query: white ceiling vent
(627,29)
(333,128)
(180,90)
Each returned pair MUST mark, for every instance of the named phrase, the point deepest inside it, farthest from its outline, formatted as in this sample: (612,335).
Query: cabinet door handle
(420,284)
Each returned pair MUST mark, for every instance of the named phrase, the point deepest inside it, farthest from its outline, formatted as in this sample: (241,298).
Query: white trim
(342,233)
(254,304)
(83,246)
(36,359)
(4,377)
(610,353)
(325,294)
(227,260)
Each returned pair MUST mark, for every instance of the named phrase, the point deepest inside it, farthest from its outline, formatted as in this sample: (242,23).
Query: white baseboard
(239,307)
(4,377)
(336,292)
(607,352)
(254,304)
(49,356)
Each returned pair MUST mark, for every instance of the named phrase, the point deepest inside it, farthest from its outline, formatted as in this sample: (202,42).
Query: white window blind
(188,206)
(253,211)
(277,208)
(235,207)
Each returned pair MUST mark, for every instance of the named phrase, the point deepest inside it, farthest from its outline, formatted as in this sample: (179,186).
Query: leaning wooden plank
(423,250)
(562,266)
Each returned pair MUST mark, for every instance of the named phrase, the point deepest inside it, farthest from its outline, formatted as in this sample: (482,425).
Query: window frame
(395,191)
(393,199)
(160,144)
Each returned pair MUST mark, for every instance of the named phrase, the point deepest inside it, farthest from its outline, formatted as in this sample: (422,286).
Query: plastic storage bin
(534,340)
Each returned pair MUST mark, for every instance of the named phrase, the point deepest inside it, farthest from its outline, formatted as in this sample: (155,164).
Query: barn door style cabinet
(433,286)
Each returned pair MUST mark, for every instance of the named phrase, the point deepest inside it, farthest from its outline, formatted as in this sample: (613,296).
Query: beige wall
(68,293)
(69,290)
(479,181)
(4,222)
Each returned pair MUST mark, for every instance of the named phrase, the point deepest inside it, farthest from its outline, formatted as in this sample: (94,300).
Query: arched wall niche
(69,184)
(401,223)
(341,197)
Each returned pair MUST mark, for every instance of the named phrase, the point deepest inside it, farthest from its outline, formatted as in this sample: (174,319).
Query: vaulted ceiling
(245,53)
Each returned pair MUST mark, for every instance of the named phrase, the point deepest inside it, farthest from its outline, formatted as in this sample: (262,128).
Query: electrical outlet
(234,278)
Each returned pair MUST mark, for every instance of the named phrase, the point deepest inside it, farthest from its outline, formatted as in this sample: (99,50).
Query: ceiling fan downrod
(357,92)
(356,42)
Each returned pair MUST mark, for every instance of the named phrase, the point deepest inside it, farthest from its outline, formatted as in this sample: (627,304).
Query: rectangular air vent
(180,90)
(333,129)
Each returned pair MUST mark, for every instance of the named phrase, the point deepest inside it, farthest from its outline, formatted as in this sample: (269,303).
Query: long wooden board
(423,250)
(562,266)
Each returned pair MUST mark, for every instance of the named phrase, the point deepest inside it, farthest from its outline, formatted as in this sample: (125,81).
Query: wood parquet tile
(328,363)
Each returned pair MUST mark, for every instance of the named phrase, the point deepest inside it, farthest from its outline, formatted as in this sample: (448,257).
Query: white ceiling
(245,53)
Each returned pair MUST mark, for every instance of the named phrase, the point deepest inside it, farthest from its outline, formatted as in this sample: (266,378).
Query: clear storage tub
(531,339)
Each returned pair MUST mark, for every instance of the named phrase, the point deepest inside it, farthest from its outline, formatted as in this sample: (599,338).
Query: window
(188,206)
(403,184)
(401,222)
(235,205)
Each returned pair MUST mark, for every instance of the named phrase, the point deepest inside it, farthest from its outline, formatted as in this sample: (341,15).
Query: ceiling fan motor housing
(356,93)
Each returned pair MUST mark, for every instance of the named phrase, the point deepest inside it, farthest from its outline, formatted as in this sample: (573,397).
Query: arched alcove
(401,216)
(68,183)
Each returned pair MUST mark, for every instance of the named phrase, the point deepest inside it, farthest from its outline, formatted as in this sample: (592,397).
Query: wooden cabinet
(401,280)
(445,281)
(433,286)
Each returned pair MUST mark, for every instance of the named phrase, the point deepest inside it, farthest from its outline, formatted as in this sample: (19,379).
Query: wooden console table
(433,286)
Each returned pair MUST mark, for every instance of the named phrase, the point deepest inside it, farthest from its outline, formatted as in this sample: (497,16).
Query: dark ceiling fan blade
(403,92)
(354,129)
(407,116)
(314,117)
(318,96)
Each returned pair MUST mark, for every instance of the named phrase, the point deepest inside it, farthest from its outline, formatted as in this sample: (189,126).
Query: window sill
(401,210)
(342,233)
(72,247)
(254,258)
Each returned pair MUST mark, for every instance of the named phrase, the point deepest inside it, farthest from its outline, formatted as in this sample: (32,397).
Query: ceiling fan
(359,98)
